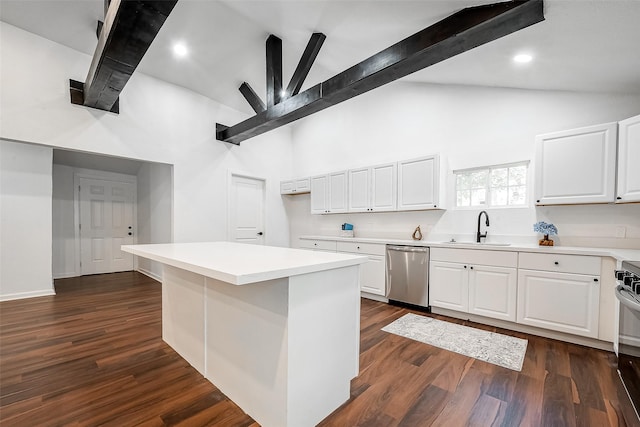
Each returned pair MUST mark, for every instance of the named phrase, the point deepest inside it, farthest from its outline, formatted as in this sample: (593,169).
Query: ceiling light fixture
(180,50)
(523,58)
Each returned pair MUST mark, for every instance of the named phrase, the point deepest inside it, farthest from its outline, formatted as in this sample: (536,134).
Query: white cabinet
(373,189)
(628,155)
(318,245)
(474,281)
(449,285)
(295,186)
(372,273)
(329,193)
(418,183)
(576,166)
(559,292)
(492,291)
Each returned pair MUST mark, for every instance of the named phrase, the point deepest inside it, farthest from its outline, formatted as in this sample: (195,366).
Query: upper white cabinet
(576,166)
(295,186)
(418,183)
(329,193)
(373,189)
(628,155)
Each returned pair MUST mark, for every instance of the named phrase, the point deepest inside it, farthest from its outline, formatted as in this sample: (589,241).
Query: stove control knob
(629,278)
(635,287)
(620,274)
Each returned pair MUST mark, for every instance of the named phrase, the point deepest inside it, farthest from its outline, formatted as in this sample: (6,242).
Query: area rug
(499,349)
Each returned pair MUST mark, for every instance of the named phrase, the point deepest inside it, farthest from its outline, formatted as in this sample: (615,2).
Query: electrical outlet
(621,232)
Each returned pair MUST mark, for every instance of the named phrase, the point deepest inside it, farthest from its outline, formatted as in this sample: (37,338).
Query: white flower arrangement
(544,228)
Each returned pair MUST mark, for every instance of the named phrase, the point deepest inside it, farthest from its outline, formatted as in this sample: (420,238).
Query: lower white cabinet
(458,281)
(492,292)
(372,273)
(449,285)
(564,302)
(318,245)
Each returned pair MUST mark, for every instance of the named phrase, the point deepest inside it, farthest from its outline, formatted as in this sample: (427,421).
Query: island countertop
(241,263)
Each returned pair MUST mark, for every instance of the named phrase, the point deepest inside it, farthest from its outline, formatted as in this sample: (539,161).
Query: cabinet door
(418,183)
(287,187)
(449,285)
(492,292)
(319,190)
(302,185)
(628,155)
(576,166)
(337,192)
(559,301)
(384,187)
(372,276)
(359,190)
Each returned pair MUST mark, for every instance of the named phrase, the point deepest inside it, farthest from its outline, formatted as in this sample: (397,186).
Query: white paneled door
(106,222)
(246,210)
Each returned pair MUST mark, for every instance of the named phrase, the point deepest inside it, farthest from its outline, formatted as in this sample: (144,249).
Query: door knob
(260,233)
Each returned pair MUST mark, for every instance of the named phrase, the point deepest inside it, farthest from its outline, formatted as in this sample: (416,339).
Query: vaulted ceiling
(583,45)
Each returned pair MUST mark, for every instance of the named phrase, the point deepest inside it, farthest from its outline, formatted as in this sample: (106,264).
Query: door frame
(105,176)
(230,174)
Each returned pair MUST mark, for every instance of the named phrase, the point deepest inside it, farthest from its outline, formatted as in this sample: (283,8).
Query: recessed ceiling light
(180,50)
(523,58)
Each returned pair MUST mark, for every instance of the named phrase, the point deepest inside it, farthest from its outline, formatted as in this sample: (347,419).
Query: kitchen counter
(618,254)
(275,329)
(241,264)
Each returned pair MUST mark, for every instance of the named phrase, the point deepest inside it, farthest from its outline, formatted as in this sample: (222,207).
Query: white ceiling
(582,45)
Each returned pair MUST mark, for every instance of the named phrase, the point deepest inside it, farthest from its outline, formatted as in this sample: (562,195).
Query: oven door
(629,344)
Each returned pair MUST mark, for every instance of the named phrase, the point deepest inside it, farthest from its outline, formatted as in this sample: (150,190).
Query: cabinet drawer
(361,248)
(475,256)
(323,245)
(579,264)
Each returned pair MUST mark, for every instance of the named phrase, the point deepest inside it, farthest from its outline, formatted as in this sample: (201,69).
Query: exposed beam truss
(128,30)
(458,33)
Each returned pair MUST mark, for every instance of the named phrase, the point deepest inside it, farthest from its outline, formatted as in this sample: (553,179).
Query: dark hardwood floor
(93,355)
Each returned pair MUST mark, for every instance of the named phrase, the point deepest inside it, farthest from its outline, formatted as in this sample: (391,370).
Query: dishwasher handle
(421,249)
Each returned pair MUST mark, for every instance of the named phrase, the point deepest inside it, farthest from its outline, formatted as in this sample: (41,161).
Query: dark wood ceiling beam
(252,98)
(129,29)
(462,31)
(304,66)
(274,70)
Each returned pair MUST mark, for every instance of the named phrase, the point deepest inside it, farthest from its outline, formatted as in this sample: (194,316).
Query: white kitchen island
(275,329)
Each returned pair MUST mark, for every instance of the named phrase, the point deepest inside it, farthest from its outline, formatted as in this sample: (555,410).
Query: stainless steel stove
(628,293)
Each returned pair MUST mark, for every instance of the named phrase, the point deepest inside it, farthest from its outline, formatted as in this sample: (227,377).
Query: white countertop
(618,254)
(241,263)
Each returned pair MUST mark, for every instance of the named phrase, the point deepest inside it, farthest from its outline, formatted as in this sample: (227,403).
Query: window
(493,186)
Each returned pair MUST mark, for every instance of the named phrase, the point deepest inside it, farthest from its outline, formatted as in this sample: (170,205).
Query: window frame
(488,188)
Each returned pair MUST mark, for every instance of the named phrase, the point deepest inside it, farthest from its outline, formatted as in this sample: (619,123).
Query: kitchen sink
(478,244)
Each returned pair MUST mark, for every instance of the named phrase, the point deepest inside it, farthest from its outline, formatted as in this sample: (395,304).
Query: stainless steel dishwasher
(408,274)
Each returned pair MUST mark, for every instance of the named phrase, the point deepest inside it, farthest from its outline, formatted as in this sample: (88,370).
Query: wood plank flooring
(93,355)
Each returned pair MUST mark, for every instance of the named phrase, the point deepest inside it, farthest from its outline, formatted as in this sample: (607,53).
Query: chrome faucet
(478,234)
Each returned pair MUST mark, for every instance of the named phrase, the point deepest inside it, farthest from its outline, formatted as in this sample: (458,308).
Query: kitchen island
(275,329)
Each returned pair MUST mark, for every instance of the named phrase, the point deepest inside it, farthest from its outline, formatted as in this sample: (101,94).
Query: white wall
(157,122)
(154,211)
(25,220)
(64,240)
(469,126)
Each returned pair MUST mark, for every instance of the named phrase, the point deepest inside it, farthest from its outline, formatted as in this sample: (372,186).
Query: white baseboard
(560,336)
(149,274)
(374,297)
(65,275)
(31,294)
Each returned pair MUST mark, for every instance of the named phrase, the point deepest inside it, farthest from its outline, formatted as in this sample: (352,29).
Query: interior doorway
(107,221)
(246,209)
